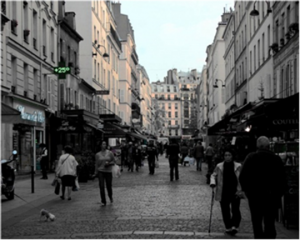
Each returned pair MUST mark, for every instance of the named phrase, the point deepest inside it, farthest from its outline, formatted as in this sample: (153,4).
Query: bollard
(32,179)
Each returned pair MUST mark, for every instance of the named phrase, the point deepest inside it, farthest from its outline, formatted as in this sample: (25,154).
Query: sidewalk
(25,201)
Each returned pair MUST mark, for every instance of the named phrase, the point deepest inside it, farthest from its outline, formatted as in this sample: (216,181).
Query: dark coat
(173,151)
(263,174)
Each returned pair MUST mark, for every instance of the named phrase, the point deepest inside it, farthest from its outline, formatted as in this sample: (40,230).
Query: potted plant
(26,32)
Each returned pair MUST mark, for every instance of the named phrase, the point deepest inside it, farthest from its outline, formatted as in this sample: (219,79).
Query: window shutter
(122,96)
(49,80)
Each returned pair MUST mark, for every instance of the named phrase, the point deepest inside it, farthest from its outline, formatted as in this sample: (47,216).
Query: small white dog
(47,215)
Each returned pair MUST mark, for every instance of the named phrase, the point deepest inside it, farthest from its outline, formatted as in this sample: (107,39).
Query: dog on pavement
(47,215)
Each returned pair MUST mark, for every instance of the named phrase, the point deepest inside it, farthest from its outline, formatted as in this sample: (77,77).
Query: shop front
(28,134)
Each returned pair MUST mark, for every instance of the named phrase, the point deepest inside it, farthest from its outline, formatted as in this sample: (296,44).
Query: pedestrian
(228,191)
(136,156)
(104,160)
(209,154)
(189,159)
(44,161)
(152,154)
(199,154)
(263,180)
(172,154)
(184,151)
(67,171)
(129,157)
(124,155)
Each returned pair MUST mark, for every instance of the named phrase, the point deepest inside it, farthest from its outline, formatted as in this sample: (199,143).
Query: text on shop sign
(36,116)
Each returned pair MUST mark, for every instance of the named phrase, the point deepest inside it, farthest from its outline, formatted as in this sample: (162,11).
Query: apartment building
(176,101)
(216,73)
(99,53)
(285,49)
(28,55)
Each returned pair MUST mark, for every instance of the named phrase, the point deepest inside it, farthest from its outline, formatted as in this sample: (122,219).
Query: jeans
(263,214)
(174,166)
(231,212)
(105,177)
(198,162)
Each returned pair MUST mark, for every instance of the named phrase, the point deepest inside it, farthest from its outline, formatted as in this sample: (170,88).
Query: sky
(173,34)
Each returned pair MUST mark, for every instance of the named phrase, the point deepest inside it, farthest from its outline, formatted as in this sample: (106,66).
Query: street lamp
(105,55)
(216,86)
(255,13)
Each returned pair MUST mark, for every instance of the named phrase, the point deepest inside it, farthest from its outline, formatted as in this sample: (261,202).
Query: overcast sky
(173,34)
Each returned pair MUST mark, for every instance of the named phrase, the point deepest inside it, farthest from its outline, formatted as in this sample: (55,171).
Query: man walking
(209,153)
(172,153)
(199,154)
(262,178)
(152,153)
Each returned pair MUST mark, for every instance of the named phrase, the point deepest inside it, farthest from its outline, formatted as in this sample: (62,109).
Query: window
(250,63)
(169,114)
(14,70)
(258,52)
(263,47)
(176,105)
(170,122)
(35,29)
(175,89)
(25,20)
(176,122)
(52,44)
(98,72)
(44,37)
(254,58)
(269,40)
(176,114)
(95,69)
(169,105)
(25,67)
(169,97)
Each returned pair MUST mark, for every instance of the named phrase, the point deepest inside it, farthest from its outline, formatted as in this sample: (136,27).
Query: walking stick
(211,208)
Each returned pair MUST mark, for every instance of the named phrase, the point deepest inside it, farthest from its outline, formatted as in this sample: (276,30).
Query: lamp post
(255,13)
(216,86)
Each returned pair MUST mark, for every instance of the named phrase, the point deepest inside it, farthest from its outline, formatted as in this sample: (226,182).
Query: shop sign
(285,121)
(36,116)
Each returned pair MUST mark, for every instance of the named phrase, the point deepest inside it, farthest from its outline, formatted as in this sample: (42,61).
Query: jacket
(217,178)
(198,151)
(263,173)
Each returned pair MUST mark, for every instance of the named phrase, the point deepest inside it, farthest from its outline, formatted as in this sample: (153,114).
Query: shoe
(103,204)
(62,197)
(228,231)
(177,179)
(69,198)
(234,231)
(171,180)
(111,201)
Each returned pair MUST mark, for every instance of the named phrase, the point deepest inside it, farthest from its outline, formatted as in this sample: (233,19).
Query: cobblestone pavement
(145,206)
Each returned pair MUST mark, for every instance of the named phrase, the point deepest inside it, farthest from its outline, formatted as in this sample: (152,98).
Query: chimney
(70,17)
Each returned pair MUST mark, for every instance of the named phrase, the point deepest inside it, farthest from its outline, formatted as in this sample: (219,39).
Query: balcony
(173,126)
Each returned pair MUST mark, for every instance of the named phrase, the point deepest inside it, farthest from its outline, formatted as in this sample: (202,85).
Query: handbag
(54,182)
(116,172)
(57,188)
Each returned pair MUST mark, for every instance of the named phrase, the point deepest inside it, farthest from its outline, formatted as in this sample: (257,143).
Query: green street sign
(62,70)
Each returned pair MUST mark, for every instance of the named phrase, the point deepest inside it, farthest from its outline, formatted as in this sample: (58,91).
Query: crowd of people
(230,180)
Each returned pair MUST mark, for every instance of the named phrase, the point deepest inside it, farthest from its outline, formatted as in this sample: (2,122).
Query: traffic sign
(102,92)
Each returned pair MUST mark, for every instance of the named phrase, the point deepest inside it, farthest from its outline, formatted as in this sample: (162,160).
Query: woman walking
(66,170)
(103,170)
(228,192)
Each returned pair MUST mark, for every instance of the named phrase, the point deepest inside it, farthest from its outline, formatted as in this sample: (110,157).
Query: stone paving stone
(146,206)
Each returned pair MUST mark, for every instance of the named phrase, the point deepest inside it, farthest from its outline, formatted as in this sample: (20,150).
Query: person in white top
(66,170)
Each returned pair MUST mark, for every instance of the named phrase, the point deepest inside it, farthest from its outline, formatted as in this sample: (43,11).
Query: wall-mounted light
(248,128)
(255,13)
(216,86)
(94,54)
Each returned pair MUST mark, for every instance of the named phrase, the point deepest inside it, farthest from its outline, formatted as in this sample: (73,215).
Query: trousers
(174,167)
(231,212)
(105,178)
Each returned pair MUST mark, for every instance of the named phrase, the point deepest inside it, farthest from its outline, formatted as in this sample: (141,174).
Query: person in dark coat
(136,155)
(123,155)
(199,155)
(44,161)
(152,154)
(184,151)
(172,154)
(263,180)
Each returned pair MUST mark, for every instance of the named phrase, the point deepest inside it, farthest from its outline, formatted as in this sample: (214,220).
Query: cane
(211,208)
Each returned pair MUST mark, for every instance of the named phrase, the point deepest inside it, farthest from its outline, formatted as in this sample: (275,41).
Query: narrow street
(145,206)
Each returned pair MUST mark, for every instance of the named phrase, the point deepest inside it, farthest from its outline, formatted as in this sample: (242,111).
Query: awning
(113,131)
(137,135)
(228,125)
(94,127)
(10,115)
